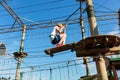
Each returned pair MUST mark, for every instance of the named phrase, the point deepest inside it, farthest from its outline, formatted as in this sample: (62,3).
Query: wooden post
(91,17)
(18,68)
(101,69)
(87,66)
(100,63)
(19,55)
(83,36)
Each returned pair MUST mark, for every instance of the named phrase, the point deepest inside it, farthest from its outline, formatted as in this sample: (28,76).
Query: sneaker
(58,45)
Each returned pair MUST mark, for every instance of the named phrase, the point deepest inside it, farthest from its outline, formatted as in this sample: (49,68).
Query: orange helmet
(59,25)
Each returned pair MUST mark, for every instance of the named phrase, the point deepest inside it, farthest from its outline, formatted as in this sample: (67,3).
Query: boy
(58,35)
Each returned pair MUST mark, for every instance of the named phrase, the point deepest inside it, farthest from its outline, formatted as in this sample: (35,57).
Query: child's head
(59,25)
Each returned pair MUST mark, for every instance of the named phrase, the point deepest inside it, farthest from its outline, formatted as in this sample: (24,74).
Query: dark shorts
(56,39)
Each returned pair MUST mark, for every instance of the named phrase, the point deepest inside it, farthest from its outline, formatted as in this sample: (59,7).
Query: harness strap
(51,35)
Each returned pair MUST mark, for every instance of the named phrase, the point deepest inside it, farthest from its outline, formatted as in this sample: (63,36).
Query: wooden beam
(91,77)
(54,50)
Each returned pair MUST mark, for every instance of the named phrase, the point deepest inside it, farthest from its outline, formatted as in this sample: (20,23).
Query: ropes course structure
(37,31)
(100,45)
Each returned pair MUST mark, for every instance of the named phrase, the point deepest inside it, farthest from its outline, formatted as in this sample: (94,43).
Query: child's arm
(58,31)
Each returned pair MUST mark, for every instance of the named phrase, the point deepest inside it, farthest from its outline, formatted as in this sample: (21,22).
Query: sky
(40,16)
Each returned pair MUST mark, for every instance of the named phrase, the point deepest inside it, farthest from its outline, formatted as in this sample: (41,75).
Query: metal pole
(11,11)
(21,76)
(60,73)
(100,63)
(83,37)
(68,70)
(119,18)
(40,74)
(82,22)
(50,73)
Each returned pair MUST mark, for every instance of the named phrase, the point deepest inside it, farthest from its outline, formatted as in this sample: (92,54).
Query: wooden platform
(20,54)
(97,45)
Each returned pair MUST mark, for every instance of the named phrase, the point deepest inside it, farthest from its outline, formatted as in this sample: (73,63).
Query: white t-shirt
(55,32)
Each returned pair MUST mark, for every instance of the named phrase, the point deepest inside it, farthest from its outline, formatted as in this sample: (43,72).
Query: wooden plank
(54,50)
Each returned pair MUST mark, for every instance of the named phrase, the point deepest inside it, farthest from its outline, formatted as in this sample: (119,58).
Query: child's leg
(62,38)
